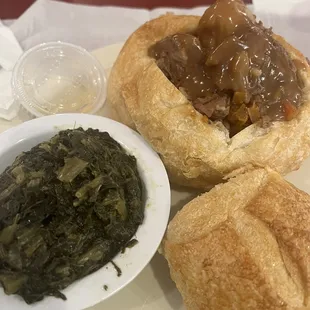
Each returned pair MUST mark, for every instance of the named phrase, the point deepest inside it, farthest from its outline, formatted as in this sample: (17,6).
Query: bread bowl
(244,245)
(198,151)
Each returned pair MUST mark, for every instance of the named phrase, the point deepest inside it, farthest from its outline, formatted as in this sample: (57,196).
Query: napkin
(92,27)
(288,18)
(10,51)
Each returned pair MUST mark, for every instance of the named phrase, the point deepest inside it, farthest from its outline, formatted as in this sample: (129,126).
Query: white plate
(153,289)
(89,290)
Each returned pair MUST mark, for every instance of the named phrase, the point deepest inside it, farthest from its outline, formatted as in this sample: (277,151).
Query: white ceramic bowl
(90,290)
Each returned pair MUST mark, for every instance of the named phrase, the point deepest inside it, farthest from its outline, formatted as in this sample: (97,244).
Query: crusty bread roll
(195,152)
(244,245)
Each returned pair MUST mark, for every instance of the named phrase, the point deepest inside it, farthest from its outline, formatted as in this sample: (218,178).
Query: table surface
(13,9)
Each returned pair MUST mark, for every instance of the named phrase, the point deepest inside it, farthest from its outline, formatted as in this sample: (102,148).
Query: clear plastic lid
(57,77)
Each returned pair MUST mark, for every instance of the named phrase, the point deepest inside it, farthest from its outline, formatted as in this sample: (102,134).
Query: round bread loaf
(198,153)
(244,245)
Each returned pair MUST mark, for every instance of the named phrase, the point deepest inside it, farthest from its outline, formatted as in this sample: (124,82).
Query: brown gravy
(232,69)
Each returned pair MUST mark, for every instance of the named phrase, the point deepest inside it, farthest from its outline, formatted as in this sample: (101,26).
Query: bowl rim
(31,129)
(20,96)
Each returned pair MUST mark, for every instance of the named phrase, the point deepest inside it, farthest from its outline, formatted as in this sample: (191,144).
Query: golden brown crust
(244,245)
(195,152)
(133,58)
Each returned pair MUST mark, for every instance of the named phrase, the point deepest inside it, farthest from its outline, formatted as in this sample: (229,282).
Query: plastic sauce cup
(57,77)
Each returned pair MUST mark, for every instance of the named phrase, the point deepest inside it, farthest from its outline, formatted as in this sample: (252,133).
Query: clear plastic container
(57,77)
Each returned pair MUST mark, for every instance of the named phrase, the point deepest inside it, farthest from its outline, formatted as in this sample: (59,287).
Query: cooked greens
(67,207)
